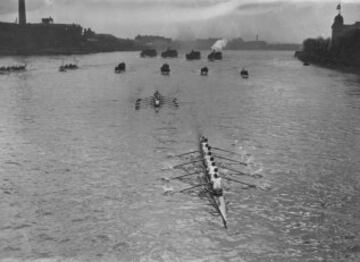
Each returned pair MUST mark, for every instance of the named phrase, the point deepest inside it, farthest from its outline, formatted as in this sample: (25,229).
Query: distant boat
(64,68)
(193,55)
(306,63)
(148,53)
(9,69)
(244,73)
(165,69)
(169,53)
(204,71)
(215,55)
(120,68)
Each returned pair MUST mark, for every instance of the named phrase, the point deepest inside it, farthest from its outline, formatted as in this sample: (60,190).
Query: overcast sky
(272,20)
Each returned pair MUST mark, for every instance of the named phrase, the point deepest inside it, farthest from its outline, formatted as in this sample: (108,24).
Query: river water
(82,172)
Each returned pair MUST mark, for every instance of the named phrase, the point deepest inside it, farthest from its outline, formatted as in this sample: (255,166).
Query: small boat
(169,53)
(9,69)
(306,63)
(64,68)
(193,55)
(218,201)
(165,69)
(215,55)
(157,99)
(204,71)
(120,68)
(148,53)
(244,73)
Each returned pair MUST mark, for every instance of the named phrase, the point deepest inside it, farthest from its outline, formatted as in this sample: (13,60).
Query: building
(33,37)
(340,30)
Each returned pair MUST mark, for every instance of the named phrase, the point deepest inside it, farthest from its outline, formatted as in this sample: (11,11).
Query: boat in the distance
(148,53)
(120,68)
(165,69)
(215,55)
(156,101)
(193,55)
(15,68)
(204,71)
(169,53)
(64,68)
(244,73)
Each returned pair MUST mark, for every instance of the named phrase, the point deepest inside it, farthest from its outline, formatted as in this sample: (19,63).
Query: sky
(288,21)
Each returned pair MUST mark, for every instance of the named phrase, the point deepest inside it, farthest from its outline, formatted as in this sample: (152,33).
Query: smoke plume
(219,45)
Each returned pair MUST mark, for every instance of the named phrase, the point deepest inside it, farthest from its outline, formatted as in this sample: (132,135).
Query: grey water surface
(81,171)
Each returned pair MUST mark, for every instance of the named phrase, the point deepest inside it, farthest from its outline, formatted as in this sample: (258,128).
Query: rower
(208,159)
(204,148)
(157,94)
(217,188)
(207,148)
(203,139)
(212,170)
(157,98)
(204,142)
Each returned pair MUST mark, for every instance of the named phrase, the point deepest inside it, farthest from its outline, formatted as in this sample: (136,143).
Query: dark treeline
(345,51)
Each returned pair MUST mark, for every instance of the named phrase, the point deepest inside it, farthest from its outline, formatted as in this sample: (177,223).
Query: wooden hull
(218,201)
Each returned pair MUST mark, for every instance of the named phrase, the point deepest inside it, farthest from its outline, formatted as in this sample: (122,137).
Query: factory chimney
(22,12)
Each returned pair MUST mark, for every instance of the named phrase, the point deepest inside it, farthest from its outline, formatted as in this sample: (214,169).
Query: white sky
(273,20)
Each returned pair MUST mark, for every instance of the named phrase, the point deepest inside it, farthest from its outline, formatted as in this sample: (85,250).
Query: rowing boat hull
(219,202)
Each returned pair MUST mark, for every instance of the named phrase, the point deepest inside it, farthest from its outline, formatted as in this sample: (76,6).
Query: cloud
(11,6)
(290,20)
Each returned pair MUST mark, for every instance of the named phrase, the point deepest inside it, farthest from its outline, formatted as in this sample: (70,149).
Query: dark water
(81,171)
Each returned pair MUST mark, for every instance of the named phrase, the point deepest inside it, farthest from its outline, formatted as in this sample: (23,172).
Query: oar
(240,182)
(184,154)
(189,174)
(189,188)
(188,163)
(241,163)
(216,148)
(234,170)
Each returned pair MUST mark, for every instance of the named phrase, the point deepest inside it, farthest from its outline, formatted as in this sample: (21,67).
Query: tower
(22,12)
(338,25)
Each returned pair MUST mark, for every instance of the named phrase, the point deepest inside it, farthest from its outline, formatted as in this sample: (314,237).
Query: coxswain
(217,188)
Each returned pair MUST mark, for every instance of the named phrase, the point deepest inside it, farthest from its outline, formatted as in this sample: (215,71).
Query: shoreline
(327,62)
(46,52)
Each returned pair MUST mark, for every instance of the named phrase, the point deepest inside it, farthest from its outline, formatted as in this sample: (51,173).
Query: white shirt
(217,183)
(212,171)
(204,148)
(207,159)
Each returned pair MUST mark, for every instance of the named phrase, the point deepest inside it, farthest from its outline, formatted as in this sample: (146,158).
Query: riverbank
(327,62)
(61,51)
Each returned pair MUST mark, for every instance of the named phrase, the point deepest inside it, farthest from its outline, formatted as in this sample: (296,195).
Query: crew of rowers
(12,68)
(63,68)
(211,167)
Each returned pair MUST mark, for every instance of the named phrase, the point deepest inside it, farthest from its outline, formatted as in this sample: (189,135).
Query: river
(82,172)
